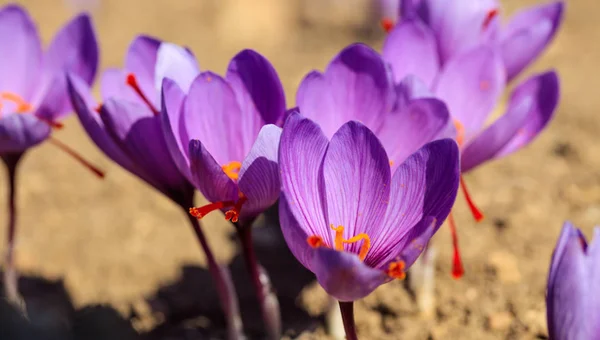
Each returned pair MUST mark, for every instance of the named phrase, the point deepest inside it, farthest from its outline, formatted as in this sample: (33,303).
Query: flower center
(232,215)
(232,169)
(133,83)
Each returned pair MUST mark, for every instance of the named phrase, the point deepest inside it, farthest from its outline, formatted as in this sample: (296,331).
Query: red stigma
(477,214)
(491,14)
(315,241)
(206,209)
(233,215)
(457,267)
(396,270)
(77,157)
(387,24)
(132,81)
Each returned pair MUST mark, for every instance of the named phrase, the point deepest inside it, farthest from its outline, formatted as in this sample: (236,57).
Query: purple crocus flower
(127,127)
(462,24)
(357,85)
(346,218)
(224,136)
(33,86)
(573,303)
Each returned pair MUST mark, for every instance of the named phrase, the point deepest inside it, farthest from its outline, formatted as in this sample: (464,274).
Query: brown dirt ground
(116,242)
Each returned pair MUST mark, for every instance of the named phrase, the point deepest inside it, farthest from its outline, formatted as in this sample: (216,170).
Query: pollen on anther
(396,270)
(315,241)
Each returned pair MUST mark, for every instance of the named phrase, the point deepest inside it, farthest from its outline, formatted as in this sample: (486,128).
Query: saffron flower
(346,218)
(471,84)
(127,128)
(33,97)
(224,137)
(573,303)
(461,25)
(357,85)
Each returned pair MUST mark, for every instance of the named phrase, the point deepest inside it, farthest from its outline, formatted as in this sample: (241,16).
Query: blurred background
(113,259)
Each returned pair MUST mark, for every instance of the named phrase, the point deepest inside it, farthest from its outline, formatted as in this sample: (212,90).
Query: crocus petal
(411,49)
(409,88)
(177,63)
(315,102)
(141,61)
(409,8)
(424,185)
(460,25)
(543,90)
(140,135)
(172,99)
(360,88)
(21,58)
(257,88)
(294,234)
(356,172)
(344,276)
(211,114)
(301,153)
(570,297)
(208,176)
(405,131)
(73,50)
(83,103)
(20,132)
(259,175)
(527,35)
(415,241)
(471,85)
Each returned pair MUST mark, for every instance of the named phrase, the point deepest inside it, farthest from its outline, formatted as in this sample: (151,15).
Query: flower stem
(11,287)
(224,285)
(267,299)
(347,309)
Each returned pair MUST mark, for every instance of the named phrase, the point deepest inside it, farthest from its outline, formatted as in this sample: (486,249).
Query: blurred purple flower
(573,303)
(463,24)
(357,85)
(224,136)
(127,126)
(346,218)
(33,86)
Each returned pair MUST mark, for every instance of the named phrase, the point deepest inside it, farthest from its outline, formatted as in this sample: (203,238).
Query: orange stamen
(457,266)
(76,156)
(488,18)
(132,81)
(396,270)
(206,209)
(460,132)
(232,169)
(315,241)
(233,215)
(387,24)
(339,241)
(22,105)
(477,214)
(391,163)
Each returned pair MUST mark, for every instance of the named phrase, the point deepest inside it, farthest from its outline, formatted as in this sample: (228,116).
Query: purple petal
(406,131)
(356,172)
(411,49)
(212,114)
(141,61)
(294,234)
(416,240)
(425,185)
(359,87)
(573,308)
(527,35)
(176,63)
(83,103)
(411,87)
(208,175)
(409,8)
(140,135)
(73,50)
(301,153)
(20,61)
(18,132)
(544,91)
(113,84)
(172,107)
(259,175)
(461,24)
(257,87)
(471,85)
(344,276)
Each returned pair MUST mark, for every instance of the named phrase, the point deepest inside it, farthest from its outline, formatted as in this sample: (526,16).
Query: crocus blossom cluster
(573,303)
